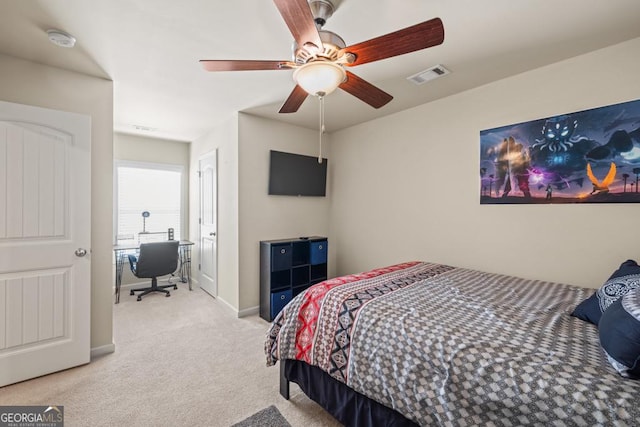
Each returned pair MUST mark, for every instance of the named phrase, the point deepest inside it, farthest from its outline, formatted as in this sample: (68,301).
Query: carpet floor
(185,360)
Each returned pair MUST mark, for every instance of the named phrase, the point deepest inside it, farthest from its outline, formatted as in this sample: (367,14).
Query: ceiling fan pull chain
(321,98)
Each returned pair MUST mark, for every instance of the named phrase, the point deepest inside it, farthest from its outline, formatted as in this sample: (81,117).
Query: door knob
(212,233)
(80,252)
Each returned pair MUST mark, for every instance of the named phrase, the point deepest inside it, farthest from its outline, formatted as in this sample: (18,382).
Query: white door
(208,222)
(45,236)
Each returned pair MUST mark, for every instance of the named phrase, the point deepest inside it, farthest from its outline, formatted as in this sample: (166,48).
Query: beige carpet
(185,360)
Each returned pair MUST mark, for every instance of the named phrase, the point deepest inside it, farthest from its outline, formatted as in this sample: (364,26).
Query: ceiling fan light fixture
(319,78)
(320,57)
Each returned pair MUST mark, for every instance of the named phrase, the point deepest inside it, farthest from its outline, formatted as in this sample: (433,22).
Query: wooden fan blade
(420,36)
(365,91)
(242,65)
(298,17)
(294,101)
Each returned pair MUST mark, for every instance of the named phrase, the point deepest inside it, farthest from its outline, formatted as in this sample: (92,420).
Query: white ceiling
(150,49)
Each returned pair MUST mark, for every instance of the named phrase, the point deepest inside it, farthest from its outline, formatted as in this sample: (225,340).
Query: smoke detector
(428,74)
(61,38)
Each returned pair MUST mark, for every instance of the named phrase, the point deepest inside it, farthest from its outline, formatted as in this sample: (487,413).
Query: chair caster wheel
(131,293)
(139,298)
(168,294)
(175,287)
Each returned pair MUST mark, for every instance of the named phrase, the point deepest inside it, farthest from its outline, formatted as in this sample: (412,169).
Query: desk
(122,251)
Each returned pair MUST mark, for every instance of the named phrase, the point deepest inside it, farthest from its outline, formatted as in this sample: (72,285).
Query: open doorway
(151,193)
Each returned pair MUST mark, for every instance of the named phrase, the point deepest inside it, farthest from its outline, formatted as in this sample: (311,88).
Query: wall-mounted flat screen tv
(296,175)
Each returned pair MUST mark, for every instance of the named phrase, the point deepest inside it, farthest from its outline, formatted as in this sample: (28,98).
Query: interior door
(45,237)
(208,223)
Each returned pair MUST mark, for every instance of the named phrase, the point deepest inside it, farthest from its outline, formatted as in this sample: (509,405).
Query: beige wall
(153,150)
(407,186)
(224,139)
(33,84)
(264,217)
(246,213)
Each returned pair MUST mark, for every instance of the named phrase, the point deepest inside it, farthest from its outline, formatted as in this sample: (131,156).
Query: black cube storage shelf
(288,267)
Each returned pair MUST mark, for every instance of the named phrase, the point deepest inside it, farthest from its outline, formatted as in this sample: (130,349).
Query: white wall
(264,217)
(29,83)
(407,186)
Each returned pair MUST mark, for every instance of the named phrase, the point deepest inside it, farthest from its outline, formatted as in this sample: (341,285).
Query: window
(148,187)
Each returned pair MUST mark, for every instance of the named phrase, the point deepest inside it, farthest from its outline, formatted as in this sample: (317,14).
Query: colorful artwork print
(590,156)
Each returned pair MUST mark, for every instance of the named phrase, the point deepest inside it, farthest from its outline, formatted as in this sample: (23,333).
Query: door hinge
(199,220)
(199,174)
(199,267)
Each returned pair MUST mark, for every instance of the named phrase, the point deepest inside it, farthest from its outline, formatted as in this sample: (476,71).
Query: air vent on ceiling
(429,74)
(144,128)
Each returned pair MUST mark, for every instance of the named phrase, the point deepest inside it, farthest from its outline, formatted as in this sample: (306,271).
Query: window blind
(151,189)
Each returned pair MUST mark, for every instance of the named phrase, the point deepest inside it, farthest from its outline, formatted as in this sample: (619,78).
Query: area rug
(268,417)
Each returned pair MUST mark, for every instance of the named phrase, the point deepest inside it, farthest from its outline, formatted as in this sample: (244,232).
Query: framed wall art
(590,156)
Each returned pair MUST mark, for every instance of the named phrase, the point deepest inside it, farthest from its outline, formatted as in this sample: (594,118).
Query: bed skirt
(346,405)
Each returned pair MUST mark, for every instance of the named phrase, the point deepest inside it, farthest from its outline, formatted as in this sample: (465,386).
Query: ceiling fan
(320,56)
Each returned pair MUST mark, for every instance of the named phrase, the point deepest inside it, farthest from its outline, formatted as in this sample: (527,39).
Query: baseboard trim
(102,350)
(249,311)
(240,313)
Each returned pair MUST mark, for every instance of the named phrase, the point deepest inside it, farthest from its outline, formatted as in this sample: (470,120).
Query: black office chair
(155,259)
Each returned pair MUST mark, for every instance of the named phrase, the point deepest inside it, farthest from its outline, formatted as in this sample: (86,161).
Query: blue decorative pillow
(624,279)
(619,330)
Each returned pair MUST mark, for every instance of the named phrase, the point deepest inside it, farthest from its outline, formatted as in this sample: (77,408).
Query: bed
(420,343)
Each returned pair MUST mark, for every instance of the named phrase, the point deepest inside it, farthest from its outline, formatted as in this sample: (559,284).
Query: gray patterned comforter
(457,347)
